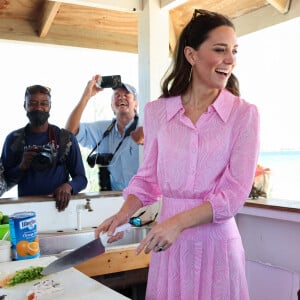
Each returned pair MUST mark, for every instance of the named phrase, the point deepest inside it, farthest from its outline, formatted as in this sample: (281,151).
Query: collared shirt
(213,160)
(125,161)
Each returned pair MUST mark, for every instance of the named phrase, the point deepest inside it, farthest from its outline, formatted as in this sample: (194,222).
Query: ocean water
(285,173)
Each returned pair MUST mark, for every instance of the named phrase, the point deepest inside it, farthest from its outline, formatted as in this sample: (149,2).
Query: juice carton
(24,235)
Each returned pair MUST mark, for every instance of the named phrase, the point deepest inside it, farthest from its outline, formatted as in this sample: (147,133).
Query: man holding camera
(41,157)
(114,144)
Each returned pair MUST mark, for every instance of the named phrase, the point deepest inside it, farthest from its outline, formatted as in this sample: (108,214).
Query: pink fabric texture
(186,165)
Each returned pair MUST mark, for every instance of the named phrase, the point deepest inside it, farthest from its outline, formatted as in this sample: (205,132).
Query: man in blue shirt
(40,157)
(115,143)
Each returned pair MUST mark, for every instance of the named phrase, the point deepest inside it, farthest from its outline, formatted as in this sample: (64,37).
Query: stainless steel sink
(62,242)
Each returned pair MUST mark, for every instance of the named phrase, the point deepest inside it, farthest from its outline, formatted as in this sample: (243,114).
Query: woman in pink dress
(200,152)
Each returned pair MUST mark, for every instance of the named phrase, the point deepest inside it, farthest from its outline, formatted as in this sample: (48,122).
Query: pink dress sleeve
(233,187)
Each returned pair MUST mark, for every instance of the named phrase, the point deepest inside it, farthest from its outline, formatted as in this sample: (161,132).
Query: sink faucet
(79,209)
(88,205)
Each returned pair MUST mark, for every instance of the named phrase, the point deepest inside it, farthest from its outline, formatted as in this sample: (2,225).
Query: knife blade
(81,254)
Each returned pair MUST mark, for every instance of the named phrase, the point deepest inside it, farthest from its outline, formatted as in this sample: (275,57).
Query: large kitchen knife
(82,253)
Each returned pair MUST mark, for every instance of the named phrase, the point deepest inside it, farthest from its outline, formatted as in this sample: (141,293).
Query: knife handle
(124,227)
(104,237)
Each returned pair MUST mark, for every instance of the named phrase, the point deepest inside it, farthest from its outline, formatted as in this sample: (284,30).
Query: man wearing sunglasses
(41,158)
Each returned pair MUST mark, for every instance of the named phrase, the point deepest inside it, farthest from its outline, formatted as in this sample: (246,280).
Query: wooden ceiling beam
(282,6)
(50,11)
(170,4)
(22,30)
(119,5)
(172,36)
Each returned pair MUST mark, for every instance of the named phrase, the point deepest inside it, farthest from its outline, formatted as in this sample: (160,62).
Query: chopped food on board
(44,287)
(22,276)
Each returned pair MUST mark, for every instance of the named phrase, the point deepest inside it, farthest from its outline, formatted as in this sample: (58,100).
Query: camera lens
(42,161)
(91,160)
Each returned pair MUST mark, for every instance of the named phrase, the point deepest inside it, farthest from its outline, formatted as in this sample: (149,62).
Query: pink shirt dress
(186,165)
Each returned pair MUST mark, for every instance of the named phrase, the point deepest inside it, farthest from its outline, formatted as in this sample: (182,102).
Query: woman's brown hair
(177,78)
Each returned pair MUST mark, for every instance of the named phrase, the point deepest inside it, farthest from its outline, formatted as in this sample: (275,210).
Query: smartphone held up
(112,81)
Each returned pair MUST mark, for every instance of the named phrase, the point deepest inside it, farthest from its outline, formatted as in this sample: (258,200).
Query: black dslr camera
(44,159)
(100,159)
(103,161)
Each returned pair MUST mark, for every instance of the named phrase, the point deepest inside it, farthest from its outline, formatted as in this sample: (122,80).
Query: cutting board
(75,284)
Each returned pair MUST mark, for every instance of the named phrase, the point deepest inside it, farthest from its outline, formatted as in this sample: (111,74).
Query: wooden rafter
(169,4)
(98,27)
(282,6)
(50,11)
(172,36)
(121,5)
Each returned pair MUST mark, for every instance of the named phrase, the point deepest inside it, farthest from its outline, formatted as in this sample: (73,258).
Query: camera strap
(109,129)
(106,133)
(128,131)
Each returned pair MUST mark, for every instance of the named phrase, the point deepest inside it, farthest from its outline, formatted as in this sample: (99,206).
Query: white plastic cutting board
(75,284)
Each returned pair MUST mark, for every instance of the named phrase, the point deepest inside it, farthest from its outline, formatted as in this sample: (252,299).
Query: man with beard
(114,143)
(41,158)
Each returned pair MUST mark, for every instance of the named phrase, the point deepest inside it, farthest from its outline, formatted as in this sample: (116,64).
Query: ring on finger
(159,248)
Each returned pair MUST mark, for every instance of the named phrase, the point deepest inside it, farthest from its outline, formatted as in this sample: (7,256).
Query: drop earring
(190,76)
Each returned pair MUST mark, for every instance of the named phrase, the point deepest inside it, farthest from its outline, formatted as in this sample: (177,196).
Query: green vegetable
(26,275)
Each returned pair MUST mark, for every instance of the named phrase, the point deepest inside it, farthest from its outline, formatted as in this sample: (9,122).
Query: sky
(268,70)
(66,70)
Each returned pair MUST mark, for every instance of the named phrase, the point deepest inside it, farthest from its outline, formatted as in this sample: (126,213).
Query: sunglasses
(137,221)
(199,13)
(202,12)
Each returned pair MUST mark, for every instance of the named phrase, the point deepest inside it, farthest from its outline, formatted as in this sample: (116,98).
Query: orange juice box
(24,235)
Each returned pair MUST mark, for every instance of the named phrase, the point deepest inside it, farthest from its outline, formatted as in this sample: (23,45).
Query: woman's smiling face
(216,58)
